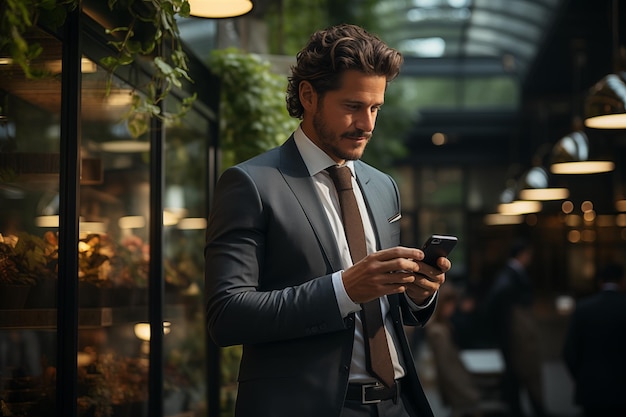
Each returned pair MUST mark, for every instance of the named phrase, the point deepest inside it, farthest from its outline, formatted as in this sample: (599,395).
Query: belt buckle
(364,387)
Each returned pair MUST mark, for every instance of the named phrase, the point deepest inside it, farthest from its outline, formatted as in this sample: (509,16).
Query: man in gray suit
(279,275)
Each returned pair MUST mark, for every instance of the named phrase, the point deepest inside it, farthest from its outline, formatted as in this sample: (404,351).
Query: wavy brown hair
(331,52)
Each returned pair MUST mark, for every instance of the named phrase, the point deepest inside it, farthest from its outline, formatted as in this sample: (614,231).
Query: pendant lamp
(572,154)
(535,185)
(219,9)
(605,105)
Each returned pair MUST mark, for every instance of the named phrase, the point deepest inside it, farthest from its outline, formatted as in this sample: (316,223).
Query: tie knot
(341,176)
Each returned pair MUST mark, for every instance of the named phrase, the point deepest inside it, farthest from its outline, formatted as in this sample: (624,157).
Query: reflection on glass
(29,175)
(185,210)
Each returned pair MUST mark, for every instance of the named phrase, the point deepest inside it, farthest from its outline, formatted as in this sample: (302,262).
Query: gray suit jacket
(270,255)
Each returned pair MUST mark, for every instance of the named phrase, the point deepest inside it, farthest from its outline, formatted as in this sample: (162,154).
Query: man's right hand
(385,272)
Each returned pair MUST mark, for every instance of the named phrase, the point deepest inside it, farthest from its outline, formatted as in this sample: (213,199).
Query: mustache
(357,134)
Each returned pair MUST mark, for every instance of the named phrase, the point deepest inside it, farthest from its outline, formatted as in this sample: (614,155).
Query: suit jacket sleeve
(267,277)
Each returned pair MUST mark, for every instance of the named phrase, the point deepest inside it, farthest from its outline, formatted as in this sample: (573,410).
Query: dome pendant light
(572,155)
(605,106)
(219,9)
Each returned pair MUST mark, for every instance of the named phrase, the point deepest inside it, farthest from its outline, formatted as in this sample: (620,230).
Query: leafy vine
(170,64)
(169,61)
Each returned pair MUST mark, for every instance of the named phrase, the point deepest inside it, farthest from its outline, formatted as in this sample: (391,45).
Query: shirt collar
(315,159)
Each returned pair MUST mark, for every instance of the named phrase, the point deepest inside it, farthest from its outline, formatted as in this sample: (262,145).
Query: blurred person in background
(595,347)
(509,310)
(456,385)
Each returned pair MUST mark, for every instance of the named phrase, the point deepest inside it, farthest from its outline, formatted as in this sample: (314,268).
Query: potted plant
(22,260)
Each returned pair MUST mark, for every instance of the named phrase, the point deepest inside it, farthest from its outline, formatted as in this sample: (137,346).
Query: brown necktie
(376,348)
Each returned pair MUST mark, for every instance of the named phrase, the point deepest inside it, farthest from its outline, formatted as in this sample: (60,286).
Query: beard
(330,142)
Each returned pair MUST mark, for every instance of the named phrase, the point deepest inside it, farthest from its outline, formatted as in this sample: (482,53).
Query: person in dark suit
(510,310)
(279,276)
(595,347)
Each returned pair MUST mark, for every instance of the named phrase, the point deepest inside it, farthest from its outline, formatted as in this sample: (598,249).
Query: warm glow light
(586,206)
(170,218)
(219,9)
(142,330)
(567,207)
(131,222)
(582,167)
(589,216)
(87,66)
(519,207)
(192,223)
(573,236)
(620,205)
(438,139)
(544,194)
(501,219)
(607,121)
(119,99)
(47,221)
(125,146)
(573,220)
(86,228)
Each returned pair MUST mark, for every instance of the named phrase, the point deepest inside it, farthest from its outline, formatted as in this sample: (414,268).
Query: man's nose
(366,121)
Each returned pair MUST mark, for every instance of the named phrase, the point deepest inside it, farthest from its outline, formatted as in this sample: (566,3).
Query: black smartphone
(438,246)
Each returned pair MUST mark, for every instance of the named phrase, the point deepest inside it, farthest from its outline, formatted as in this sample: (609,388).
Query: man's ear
(308,95)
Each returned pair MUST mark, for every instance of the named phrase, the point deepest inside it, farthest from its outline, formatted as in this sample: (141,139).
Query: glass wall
(29,201)
(119,176)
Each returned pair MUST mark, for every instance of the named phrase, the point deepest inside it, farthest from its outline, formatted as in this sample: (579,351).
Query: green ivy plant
(18,16)
(170,63)
(253,112)
(163,47)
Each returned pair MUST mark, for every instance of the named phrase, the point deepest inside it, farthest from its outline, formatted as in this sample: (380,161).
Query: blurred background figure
(466,384)
(456,386)
(595,347)
(509,309)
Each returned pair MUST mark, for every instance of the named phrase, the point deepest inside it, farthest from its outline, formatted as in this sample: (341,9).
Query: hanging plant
(169,62)
(163,48)
(18,16)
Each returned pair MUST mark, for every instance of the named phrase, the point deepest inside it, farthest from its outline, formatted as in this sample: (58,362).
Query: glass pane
(185,209)
(29,184)
(420,93)
(113,253)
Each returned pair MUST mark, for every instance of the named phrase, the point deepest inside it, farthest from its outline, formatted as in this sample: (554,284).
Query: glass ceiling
(441,37)
(466,37)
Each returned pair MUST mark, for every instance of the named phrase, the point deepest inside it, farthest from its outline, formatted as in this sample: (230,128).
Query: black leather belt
(372,393)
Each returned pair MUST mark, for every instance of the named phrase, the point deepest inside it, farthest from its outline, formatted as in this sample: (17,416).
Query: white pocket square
(394,218)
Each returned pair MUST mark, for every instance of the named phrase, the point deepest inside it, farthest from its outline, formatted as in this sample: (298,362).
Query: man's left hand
(428,279)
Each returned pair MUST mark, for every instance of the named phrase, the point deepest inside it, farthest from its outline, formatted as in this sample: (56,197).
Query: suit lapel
(297,176)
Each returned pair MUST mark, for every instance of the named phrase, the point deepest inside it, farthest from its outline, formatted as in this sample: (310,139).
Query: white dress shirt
(316,162)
